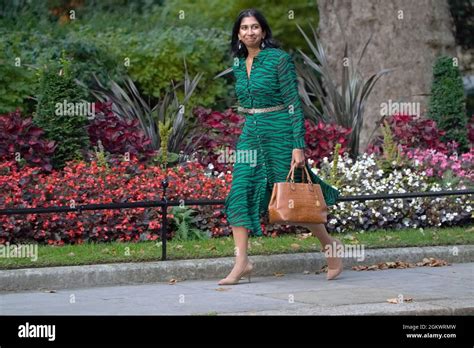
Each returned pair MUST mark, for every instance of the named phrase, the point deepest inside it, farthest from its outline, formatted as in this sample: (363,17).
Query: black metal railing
(164,204)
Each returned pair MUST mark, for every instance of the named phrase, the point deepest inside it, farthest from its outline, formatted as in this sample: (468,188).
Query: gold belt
(256,111)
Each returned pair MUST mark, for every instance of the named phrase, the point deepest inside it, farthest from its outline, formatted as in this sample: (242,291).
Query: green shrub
(447,102)
(17,79)
(158,60)
(69,131)
(90,58)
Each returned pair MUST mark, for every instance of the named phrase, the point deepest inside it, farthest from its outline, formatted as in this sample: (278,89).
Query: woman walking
(272,138)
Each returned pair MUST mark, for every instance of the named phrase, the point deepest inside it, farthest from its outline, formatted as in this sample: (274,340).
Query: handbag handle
(292,173)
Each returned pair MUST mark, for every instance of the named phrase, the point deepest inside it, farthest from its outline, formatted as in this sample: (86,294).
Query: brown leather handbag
(293,203)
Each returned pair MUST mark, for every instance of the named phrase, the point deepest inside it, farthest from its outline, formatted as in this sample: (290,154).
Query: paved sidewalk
(87,276)
(446,290)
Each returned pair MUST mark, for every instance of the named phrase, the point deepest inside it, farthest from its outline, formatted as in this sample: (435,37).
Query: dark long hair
(268,40)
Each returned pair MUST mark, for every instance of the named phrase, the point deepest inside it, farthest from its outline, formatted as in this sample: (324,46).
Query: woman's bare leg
(241,246)
(241,236)
(320,232)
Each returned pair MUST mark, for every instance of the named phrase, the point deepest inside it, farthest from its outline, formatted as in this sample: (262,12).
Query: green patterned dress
(264,149)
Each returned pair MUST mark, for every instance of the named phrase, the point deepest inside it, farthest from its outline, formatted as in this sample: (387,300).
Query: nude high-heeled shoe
(246,272)
(334,272)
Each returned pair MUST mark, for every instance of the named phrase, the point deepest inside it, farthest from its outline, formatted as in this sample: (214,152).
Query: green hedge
(150,33)
(447,104)
(69,131)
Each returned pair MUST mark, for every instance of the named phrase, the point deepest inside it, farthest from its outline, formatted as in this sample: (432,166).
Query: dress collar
(258,58)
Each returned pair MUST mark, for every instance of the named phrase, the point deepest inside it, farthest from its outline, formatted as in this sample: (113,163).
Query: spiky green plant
(165,131)
(128,103)
(335,179)
(392,157)
(342,104)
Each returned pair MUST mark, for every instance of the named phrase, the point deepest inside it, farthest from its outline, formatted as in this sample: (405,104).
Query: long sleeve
(289,91)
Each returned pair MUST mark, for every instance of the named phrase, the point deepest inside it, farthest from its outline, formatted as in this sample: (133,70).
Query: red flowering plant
(411,132)
(118,136)
(82,183)
(470,131)
(214,134)
(321,140)
(23,142)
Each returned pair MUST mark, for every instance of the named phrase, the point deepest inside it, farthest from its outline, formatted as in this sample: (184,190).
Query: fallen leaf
(401,265)
(350,239)
(50,291)
(222,289)
(359,268)
(295,246)
(396,300)
(172,281)
(71,254)
(278,274)
(179,246)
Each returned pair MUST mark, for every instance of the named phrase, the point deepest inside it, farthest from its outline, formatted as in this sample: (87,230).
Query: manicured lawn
(93,253)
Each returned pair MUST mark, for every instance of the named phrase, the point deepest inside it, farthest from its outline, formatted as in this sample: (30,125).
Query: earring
(240,45)
(262,44)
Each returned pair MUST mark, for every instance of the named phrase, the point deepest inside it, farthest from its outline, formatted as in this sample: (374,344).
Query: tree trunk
(408,35)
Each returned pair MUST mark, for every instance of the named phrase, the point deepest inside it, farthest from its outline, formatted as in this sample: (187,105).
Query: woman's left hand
(298,158)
